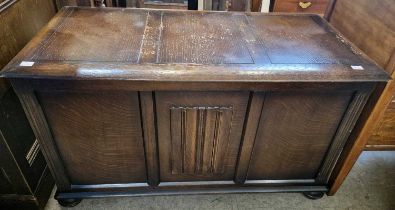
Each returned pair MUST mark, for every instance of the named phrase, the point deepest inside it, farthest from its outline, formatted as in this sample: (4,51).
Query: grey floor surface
(370,185)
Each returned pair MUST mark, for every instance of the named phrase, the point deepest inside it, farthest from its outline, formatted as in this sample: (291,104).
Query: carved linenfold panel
(199,139)
(199,134)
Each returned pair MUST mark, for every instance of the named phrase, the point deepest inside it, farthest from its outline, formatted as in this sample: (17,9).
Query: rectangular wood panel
(98,135)
(300,44)
(199,134)
(206,38)
(118,40)
(167,45)
(294,134)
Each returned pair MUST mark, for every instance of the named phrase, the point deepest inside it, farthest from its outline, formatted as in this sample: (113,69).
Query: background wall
(19,22)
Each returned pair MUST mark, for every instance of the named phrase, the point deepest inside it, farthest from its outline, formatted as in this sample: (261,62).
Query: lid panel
(300,40)
(105,36)
(203,38)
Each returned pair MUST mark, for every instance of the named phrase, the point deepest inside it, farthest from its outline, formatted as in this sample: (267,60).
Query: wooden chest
(138,102)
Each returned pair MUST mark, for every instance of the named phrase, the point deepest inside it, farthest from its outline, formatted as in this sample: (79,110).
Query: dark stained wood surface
(287,155)
(77,38)
(95,149)
(4,87)
(20,138)
(25,182)
(150,136)
(178,102)
(199,134)
(215,47)
(202,126)
(253,116)
(203,38)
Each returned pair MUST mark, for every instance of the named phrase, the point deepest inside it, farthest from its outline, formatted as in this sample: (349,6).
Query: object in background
(156,4)
(265,6)
(308,6)
(25,180)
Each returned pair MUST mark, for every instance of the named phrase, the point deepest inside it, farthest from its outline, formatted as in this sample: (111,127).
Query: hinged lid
(166,45)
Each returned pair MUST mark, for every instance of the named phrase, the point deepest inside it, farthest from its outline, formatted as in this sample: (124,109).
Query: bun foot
(313,195)
(71,202)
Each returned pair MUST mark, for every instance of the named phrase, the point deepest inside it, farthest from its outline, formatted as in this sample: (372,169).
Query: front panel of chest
(106,134)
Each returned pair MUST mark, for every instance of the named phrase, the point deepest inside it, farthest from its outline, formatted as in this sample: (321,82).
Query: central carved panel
(199,139)
(199,134)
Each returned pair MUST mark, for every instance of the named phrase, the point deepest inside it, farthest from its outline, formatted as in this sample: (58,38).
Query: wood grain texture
(199,138)
(256,5)
(19,23)
(206,38)
(149,52)
(42,131)
(298,152)
(253,116)
(371,116)
(98,136)
(147,105)
(384,133)
(79,38)
(313,45)
(368,25)
(343,133)
(274,87)
(199,134)
(218,47)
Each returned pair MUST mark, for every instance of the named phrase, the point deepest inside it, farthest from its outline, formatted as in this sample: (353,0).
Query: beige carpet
(370,185)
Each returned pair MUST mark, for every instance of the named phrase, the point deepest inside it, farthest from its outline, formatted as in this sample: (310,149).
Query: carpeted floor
(370,185)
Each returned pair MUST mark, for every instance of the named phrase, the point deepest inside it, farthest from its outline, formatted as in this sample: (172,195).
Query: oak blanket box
(130,102)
